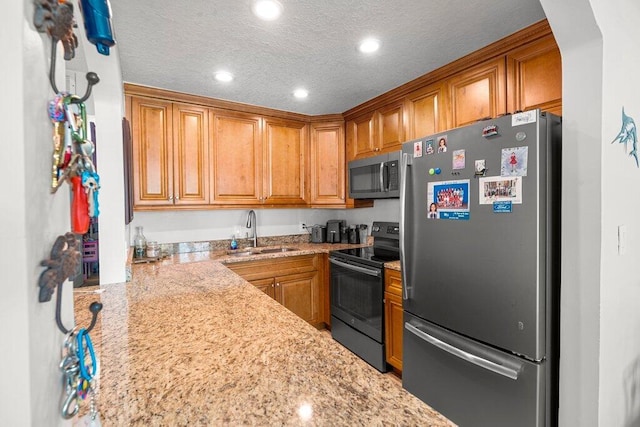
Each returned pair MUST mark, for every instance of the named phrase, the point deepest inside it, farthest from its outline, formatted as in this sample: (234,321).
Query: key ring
(82,339)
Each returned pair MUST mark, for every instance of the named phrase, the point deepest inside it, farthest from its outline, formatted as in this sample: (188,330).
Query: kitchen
(606,407)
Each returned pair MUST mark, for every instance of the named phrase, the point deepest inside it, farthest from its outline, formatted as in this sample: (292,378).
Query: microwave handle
(382,186)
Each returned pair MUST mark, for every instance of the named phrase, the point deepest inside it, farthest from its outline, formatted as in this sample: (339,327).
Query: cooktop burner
(386,246)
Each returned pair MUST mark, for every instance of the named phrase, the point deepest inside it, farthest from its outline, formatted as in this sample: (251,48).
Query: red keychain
(79,207)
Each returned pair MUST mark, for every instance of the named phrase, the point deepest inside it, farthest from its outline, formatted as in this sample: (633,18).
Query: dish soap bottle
(140,243)
(234,244)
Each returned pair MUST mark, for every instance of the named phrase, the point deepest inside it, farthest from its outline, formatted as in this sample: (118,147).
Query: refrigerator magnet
(429,143)
(458,159)
(417,149)
(502,206)
(442,144)
(514,161)
(500,189)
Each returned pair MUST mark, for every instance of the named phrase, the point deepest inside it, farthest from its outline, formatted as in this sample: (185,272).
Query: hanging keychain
(88,374)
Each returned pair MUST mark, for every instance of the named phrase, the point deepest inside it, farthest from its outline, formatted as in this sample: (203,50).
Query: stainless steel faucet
(251,223)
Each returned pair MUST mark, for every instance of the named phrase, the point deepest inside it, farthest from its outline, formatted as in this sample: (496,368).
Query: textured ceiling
(178,45)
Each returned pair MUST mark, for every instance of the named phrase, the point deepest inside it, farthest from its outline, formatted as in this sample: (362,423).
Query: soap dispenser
(234,244)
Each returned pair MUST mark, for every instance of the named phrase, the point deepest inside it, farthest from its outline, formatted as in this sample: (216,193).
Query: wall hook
(63,263)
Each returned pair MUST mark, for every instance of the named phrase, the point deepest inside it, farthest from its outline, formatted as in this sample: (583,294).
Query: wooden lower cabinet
(295,282)
(393,322)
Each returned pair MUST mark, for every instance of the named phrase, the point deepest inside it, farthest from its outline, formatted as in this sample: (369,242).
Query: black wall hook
(94,308)
(92,78)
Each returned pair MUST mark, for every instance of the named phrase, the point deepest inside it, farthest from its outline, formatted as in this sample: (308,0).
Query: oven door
(357,293)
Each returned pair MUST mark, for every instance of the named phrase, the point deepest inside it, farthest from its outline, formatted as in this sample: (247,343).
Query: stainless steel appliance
(318,234)
(357,293)
(334,230)
(480,264)
(376,177)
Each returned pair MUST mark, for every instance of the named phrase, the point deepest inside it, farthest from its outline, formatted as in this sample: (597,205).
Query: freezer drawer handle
(483,363)
(370,272)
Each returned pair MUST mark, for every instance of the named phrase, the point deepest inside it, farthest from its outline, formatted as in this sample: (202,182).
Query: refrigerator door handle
(479,361)
(405,162)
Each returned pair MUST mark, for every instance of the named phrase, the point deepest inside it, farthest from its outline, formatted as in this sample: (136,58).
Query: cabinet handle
(177,198)
(278,284)
(170,198)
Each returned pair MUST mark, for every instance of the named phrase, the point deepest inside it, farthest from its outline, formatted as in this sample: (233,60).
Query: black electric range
(386,246)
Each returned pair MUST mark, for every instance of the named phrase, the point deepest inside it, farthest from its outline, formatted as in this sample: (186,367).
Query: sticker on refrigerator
(523,118)
(503,206)
(500,189)
(448,200)
(514,161)
(428,149)
(442,144)
(417,149)
(458,159)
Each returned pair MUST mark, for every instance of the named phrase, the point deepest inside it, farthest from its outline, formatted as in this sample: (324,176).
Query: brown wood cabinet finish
(296,283)
(393,323)
(376,132)
(190,155)
(478,93)
(152,134)
(327,172)
(236,158)
(285,160)
(534,77)
(426,111)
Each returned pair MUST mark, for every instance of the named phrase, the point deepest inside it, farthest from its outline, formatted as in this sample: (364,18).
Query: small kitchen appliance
(318,234)
(334,227)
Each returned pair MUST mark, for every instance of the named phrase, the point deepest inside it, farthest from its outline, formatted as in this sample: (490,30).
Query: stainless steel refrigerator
(480,251)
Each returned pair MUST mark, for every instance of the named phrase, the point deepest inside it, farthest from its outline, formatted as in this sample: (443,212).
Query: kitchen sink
(276,250)
(257,251)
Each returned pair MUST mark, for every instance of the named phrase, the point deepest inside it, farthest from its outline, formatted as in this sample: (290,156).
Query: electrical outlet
(303,226)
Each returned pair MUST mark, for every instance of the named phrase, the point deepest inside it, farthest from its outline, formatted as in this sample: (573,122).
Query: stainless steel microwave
(375,177)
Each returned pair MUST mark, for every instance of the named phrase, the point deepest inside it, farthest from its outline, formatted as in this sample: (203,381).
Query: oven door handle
(368,271)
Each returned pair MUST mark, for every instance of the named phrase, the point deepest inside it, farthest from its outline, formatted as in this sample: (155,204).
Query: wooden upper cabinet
(151,131)
(478,93)
(327,161)
(285,159)
(190,154)
(360,137)
(390,127)
(236,158)
(426,110)
(534,77)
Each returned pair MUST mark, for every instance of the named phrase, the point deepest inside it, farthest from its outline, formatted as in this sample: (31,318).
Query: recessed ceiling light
(369,45)
(300,93)
(224,76)
(267,10)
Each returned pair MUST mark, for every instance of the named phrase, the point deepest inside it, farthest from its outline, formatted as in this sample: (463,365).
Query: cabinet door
(265,285)
(327,175)
(426,109)
(151,125)
(390,127)
(300,294)
(534,77)
(236,158)
(285,161)
(190,154)
(360,137)
(393,324)
(478,93)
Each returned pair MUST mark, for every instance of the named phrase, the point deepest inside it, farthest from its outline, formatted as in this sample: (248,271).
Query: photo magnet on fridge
(417,149)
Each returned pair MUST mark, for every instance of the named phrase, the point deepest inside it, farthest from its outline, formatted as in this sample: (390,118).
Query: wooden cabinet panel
(390,127)
(534,77)
(190,154)
(327,174)
(266,285)
(478,93)
(300,294)
(393,322)
(426,111)
(297,283)
(360,137)
(285,153)
(236,158)
(151,123)
(394,325)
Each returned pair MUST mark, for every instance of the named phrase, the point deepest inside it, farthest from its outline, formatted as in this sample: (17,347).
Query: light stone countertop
(192,343)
